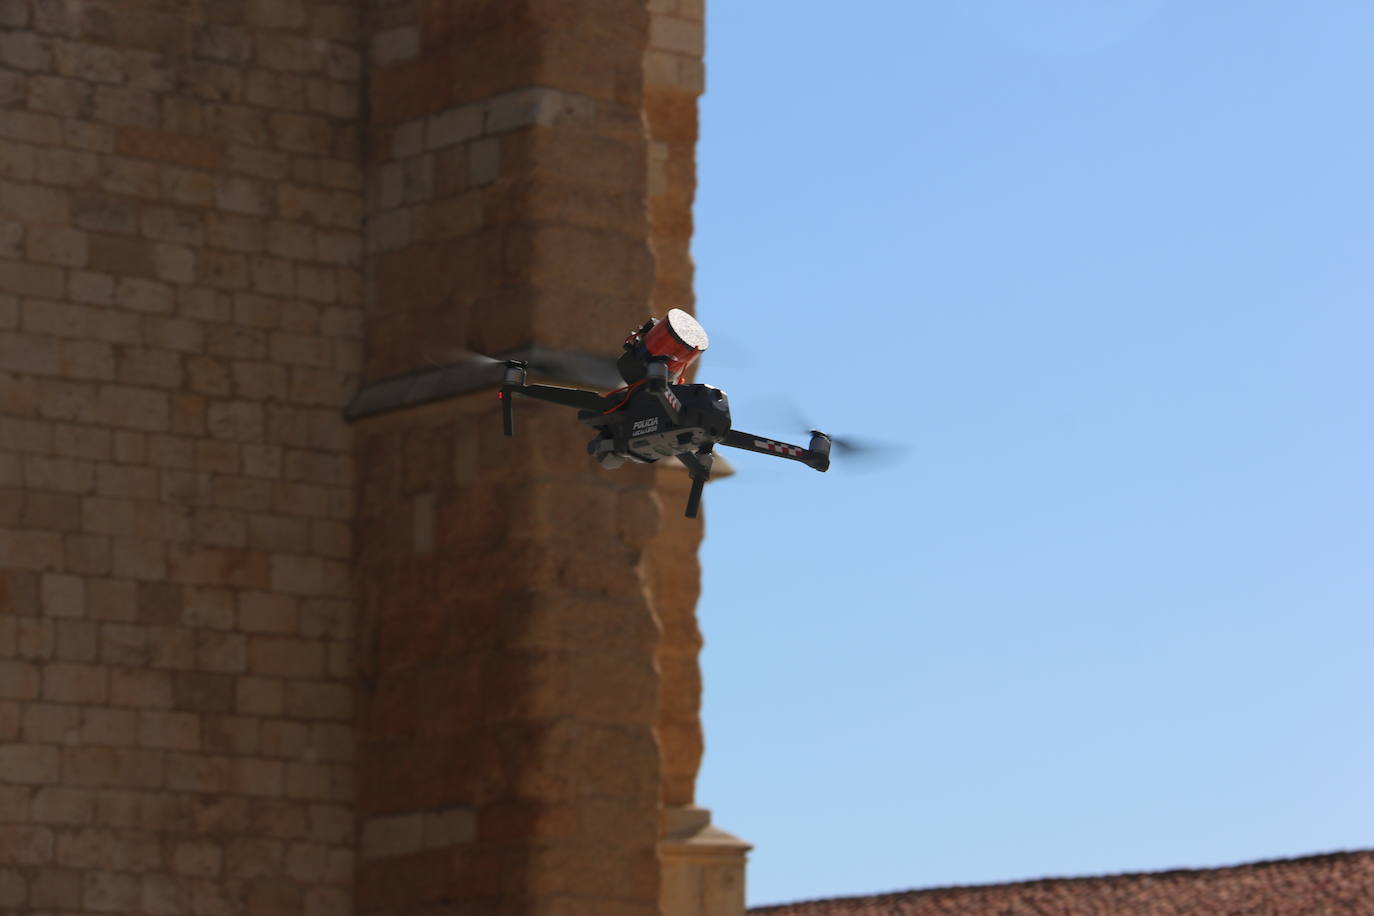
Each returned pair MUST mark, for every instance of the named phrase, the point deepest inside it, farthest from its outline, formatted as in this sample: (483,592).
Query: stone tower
(257,659)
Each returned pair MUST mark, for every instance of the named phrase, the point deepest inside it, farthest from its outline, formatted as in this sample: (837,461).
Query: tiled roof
(1335,883)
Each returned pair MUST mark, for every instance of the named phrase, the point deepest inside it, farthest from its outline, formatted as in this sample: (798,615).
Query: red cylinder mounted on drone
(676,339)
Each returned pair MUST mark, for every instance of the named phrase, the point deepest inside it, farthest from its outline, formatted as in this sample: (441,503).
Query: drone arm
(567,397)
(817,456)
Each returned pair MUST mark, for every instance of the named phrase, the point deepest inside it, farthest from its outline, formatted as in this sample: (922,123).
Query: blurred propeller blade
(726,353)
(853,446)
(544,364)
(455,357)
(851,452)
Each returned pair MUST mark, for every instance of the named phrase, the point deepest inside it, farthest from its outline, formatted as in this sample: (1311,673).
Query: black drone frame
(653,419)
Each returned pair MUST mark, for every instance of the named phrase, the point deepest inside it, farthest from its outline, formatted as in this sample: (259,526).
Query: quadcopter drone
(655,416)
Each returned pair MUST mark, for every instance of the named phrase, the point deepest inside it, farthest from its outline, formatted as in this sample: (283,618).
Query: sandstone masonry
(254,660)
(180,316)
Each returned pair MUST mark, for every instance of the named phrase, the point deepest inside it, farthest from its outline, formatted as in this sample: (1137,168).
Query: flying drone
(655,416)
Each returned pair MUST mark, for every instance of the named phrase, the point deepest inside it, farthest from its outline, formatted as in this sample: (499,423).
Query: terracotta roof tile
(1334,883)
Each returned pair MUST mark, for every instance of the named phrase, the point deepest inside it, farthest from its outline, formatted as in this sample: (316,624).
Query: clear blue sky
(1105,268)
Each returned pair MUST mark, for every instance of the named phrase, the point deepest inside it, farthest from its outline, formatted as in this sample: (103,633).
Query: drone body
(655,416)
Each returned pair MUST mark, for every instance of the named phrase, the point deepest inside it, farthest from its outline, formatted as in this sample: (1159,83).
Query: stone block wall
(673,81)
(507,636)
(180,320)
(254,660)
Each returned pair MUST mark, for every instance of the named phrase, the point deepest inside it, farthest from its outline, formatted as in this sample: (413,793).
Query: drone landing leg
(699,466)
(694,497)
(515,377)
(508,411)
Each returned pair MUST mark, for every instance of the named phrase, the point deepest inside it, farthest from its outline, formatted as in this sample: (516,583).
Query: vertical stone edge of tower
(508,692)
(703,867)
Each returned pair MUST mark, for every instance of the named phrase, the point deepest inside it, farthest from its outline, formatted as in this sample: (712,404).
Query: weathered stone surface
(499,606)
(157,487)
(185,287)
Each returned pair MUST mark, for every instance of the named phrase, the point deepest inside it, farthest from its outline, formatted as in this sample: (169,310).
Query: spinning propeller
(856,451)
